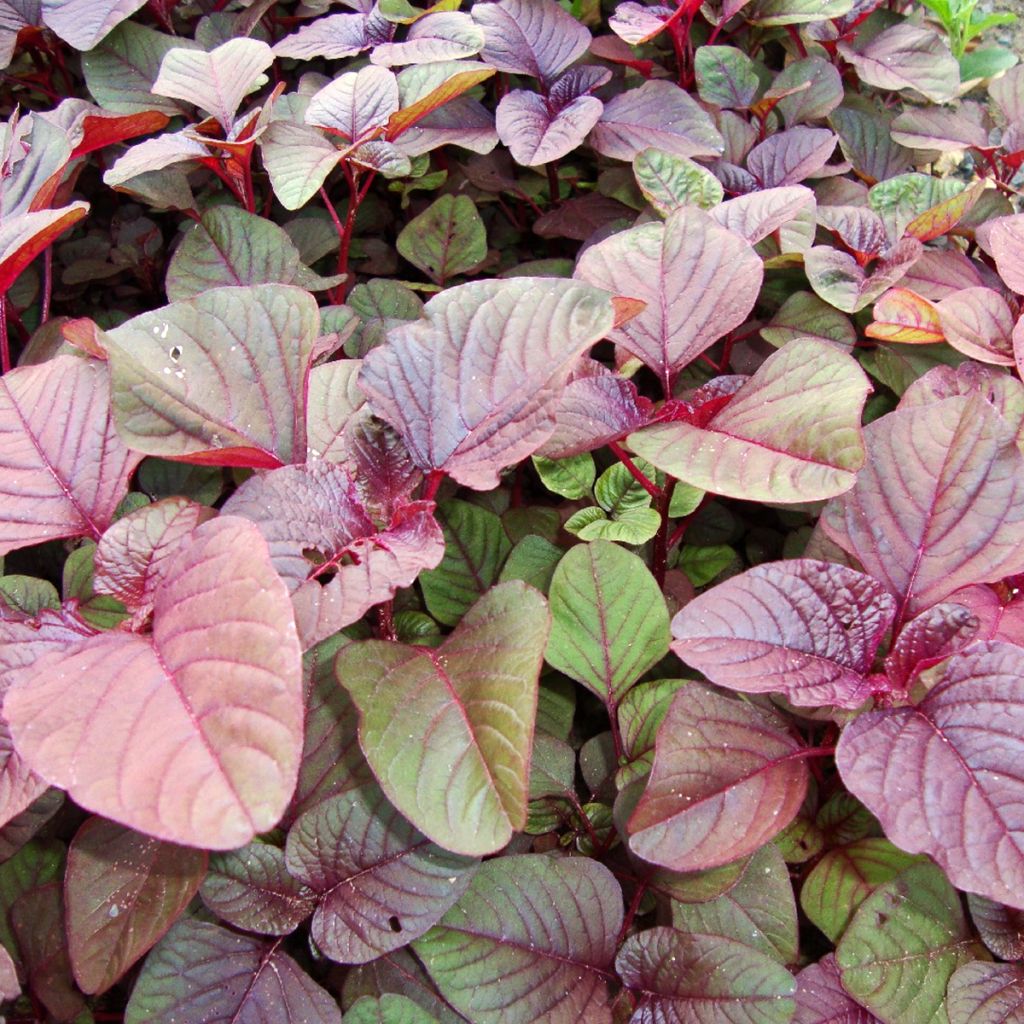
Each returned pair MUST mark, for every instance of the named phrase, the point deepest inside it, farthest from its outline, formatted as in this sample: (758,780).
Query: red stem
(801,755)
(386,621)
(634,470)
(553,189)
(613,717)
(659,556)
(433,482)
(634,906)
(794,34)
(44,309)
(5,341)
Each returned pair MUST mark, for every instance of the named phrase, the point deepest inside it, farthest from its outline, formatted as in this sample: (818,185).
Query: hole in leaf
(318,558)
(394,924)
(175,353)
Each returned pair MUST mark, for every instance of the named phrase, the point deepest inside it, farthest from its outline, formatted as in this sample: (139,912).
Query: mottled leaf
(981,993)
(840,280)
(668,181)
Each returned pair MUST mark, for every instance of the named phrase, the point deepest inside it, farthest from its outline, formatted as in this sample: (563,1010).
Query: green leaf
(609,619)
(903,945)
(99,610)
(529,943)
(28,594)
(845,877)
(635,526)
(685,500)
(986,62)
(617,490)
(578,521)
(703,564)
(726,77)
(572,478)
(475,548)
(641,712)
(387,1009)
(448,732)
(446,239)
(669,181)
(532,560)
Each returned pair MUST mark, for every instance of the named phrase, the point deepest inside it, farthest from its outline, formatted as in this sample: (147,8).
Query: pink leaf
(933,635)
(195,741)
(979,323)
(355,103)
(1006,243)
(939,505)
(788,157)
(536,132)
(530,37)
(336,36)
(906,56)
(509,346)
(63,467)
(803,628)
(757,215)
(332,557)
(724,782)
(943,777)
(83,23)
(821,998)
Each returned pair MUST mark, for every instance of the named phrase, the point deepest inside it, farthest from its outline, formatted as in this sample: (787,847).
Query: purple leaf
(983,993)
(509,345)
(657,114)
(839,279)
(1006,243)
(699,281)
(906,56)
(251,889)
(933,635)
(804,628)
(788,157)
(203,972)
(355,103)
(63,467)
(133,555)
(122,891)
(774,440)
(979,323)
(636,23)
(385,475)
(858,228)
(725,781)
(84,23)
(113,718)
(939,128)
(941,272)
(581,217)
(939,505)
(757,215)
(531,941)
(681,978)
(335,561)
(943,778)
(821,998)
(155,155)
(1001,928)
(182,376)
(380,882)
(530,37)
(823,92)
(538,131)
(337,36)
(443,35)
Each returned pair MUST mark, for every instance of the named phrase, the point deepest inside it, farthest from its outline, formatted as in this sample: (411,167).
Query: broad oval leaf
(122,891)
(726,779)
(448,238)
(979,322)
(981,993)
(1006,243)
(790,156)
(120,714)
(442,35)
(252,889)
(530,37)
(902,946)
(84,23)
(804,628)
(191,380)
(791,433)
(1001,928)
(530,942)
(939,505)
(298,159)
(669,181)
(60,475)
(609,619)
(943,778)
(380,883)
(758,214)
(537,132)
(508,347)
(840,280)
(685,977)
(336,562)
(389,1008)
(448,732)
(698,279)
(355,103)
(821,998)
(201,971)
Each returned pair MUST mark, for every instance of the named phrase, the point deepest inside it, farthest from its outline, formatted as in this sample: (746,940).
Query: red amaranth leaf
(803,628)
(115,717)
(821,998)
(63,467)
(943,777)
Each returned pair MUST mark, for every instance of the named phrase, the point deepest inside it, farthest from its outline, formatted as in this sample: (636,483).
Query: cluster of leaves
(556,554)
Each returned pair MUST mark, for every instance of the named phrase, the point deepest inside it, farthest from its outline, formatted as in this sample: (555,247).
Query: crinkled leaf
(906,56)
(529,943)
(530,37)
(902,946)
(336,562)
(217,81)
(536,132)
(804,628)
(724,782)
(380,883)
(669,181)
(355,103)
(698,279)
(681,978)
(64,468)
(132,556)
(1001,928)
(940,503)
(609,619)
(941,776)
(844,878)
(657,114)
(474,698)
(935,634)
(448,238)
(787,157)
(757,215)
(791,432)
(336,36)
(185,376)
(201,971)
(119,714)
(981,993)
(122,891)
(840,280)
(251,889)
(520,336)
(821,998)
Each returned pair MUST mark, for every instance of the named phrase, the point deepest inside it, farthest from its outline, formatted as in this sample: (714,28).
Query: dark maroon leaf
(122,891)
(804,628)
(1001,928)
(943,777)
(981,993)
(821,998)
(380,882)
(581,217)
(725,780)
